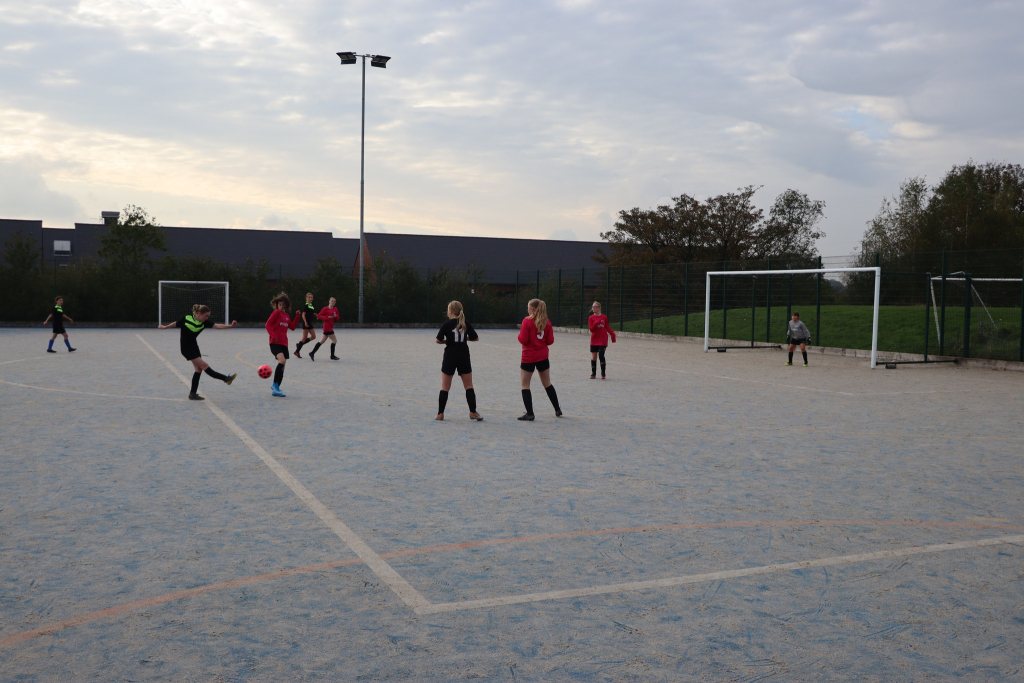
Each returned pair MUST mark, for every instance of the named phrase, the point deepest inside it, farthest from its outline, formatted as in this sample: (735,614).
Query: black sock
(442,401)
(471,400)
(318,345)
(279,374)
(600,355)
(195,381)
(298,346)
(805,357)
(790,356)
(332,350)
(553,396)
(593,367)
(216,375)
(528,401)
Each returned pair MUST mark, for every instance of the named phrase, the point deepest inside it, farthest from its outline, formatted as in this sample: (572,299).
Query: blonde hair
(279,298)
(596,303)
(455,307)
(539,315)
(198,309)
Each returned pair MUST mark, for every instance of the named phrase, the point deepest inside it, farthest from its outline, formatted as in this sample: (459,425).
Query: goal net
(750,309)
(986,308)
(176,298)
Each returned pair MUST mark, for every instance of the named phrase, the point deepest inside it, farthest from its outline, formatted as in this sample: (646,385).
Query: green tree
(898,226)
(128,244)
(21,253)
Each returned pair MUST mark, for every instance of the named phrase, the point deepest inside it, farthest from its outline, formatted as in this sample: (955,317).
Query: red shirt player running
(328,314)
(277,326)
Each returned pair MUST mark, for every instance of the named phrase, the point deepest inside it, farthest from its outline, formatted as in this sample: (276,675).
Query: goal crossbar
(806,271)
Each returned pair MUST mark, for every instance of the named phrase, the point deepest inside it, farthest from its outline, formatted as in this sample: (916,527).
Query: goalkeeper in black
(797,333)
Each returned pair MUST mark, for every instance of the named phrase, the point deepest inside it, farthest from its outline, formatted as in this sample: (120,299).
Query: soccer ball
(264,371)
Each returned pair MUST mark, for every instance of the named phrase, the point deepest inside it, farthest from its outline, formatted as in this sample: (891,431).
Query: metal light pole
(382,62)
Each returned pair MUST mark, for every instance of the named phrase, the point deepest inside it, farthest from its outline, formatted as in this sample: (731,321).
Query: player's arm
(222,326)
(68,318)
(48,319)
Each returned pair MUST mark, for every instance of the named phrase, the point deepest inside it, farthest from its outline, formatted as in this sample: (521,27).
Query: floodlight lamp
(379,60)
(347,57)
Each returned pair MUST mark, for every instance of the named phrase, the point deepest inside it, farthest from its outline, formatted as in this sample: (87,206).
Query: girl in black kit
(191,327)
(307,314)
(58,316)
(456,335)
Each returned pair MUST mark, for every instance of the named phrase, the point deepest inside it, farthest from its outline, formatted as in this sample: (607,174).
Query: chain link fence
(967,304)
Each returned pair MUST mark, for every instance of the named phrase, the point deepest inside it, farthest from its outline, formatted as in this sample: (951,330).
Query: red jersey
(600,328)
(328,315)
(278,325)
(535,345)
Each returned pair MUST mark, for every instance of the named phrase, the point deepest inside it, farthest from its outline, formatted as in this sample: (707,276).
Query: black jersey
(309,319)
(454,340)
(190,331)
(58,319)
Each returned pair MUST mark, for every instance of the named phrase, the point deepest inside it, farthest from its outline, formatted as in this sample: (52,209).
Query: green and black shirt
(190,331)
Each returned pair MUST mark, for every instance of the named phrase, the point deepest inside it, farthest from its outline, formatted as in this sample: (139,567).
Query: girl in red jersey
(329,314)
(600,329)
(536,336)
(277,326)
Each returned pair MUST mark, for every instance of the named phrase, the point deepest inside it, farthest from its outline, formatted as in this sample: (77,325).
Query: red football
(264,371)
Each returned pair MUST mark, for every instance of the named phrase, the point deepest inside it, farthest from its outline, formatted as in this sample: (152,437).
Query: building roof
(497,256)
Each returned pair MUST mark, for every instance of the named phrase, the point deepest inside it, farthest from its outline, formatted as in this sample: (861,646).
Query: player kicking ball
(797,333)
(191,327)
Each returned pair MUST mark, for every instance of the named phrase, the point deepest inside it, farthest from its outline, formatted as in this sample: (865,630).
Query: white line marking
(382,569)
(90,393)
(712,576)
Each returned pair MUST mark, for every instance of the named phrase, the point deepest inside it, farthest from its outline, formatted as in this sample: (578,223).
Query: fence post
(753,307)
(817,308)
(768,310)
(622,290)
(789,299)
(1022,314)
(927,314)
(583,292)
(558,306)
(428,295)
(725,308)
(515,313)
(967,314)
(686,299)
(942,310)
(538,283)
(652,298)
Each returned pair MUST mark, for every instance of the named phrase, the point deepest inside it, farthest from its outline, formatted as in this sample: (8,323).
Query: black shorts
(597,349)
(279,348)
(452,363)
(798,342)
(59,330)
(190,353)
(539,366)
(308,328)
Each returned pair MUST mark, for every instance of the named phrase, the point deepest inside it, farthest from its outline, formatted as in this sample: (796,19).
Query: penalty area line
(673,581)
(402,588)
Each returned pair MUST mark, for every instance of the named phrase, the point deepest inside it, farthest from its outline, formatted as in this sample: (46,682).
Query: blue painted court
(696,516)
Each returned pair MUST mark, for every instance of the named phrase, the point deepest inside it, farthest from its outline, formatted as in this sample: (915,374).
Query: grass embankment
(900,328)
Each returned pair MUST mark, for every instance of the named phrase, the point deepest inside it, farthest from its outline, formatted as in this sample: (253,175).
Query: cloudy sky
(524,119)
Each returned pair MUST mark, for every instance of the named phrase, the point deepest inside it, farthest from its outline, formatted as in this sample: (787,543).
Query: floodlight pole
(375,60)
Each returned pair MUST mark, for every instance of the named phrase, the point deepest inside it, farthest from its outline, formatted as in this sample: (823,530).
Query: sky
(512,119)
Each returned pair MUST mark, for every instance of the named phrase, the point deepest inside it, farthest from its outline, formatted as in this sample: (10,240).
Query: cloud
(25,194)
(563,234)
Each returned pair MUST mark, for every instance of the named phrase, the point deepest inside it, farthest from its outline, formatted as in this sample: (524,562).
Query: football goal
(176,298)
(744,298)
(959,293)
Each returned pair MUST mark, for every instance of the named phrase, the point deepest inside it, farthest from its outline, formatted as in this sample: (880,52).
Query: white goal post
(175,299)
(810,271)
(975,296)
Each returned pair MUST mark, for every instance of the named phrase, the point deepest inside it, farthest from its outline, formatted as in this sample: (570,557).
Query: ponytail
(198,309)
(539,315)
(456,308)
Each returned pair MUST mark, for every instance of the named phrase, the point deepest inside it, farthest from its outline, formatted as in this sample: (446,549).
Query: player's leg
(282,357)
(318,345)
(545,379)
(198,365)
(467,383)
(524,383)
(600,354)
(442,396)
(791,347)
(67,342)
(49,349)
(334,343)
(803,350)
(593,364)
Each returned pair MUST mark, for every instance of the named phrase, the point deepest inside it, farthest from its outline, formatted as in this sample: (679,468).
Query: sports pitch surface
(696,516)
